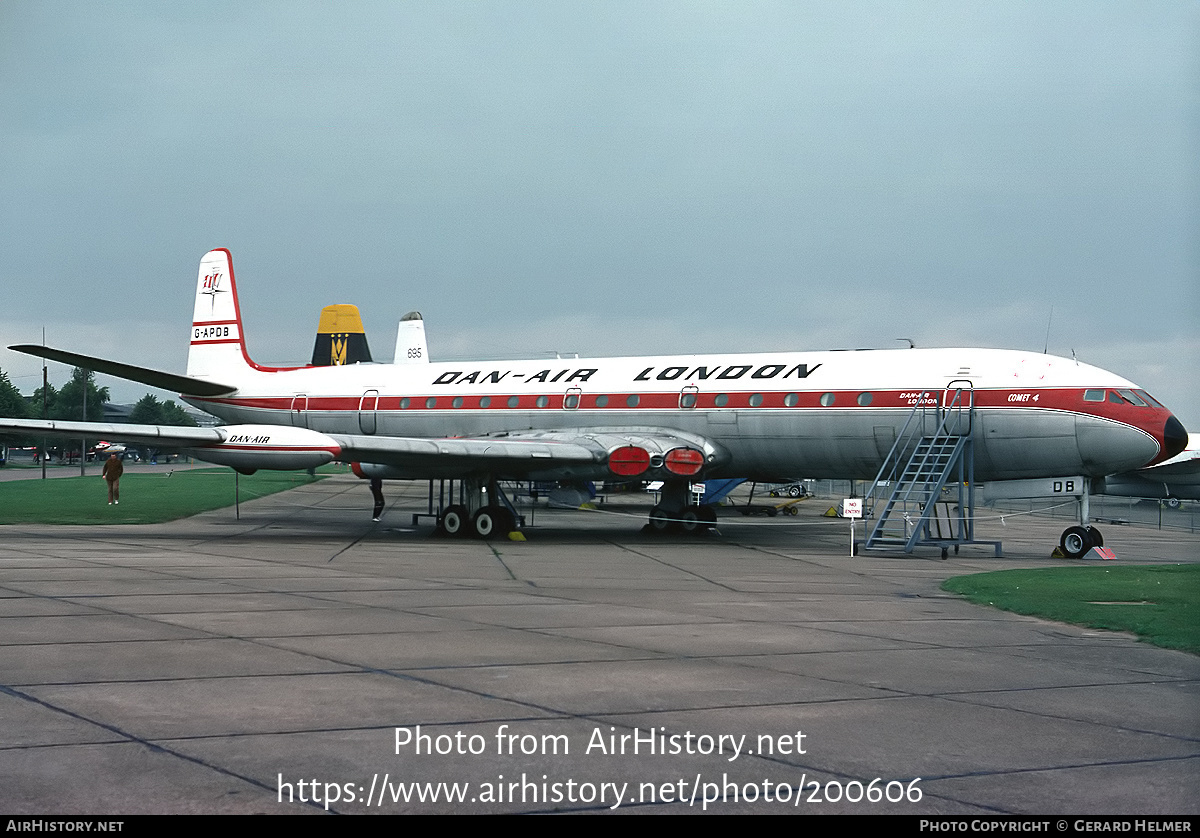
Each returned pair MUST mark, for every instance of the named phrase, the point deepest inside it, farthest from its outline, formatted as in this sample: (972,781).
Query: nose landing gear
(1076,541)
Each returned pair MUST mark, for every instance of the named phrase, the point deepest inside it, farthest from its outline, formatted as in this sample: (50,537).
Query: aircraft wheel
(1075,542)
(454,520)
(689,519)
(492,522)
(660,521)
(1095,539)
(793,491)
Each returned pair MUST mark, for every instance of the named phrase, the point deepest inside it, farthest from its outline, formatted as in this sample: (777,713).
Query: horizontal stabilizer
(154,378)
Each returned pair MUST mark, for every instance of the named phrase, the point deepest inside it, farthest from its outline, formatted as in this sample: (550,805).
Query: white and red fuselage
(764,415)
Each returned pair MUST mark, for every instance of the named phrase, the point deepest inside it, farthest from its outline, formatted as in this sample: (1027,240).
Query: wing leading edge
(581,453)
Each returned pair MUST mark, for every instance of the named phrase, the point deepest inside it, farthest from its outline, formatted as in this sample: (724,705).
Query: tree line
(68,403)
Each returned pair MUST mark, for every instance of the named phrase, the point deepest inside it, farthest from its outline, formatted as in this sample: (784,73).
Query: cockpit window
(1132,398)
(1153,402)
(1093,395)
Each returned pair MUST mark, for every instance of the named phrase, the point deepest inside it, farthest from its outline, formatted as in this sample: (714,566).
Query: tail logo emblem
(211,285)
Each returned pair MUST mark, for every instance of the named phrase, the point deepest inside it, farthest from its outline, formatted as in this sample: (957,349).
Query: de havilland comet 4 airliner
(679,419)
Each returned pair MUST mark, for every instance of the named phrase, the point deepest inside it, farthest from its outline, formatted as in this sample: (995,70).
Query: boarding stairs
(924,493)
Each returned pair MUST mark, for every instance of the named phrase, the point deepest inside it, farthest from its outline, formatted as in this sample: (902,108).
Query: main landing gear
(675,513)
(484,513)
(1076,541)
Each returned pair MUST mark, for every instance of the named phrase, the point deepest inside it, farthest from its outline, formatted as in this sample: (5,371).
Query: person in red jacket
(113,469)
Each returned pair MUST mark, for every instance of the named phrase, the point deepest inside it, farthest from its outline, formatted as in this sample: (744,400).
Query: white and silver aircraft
(1173,480)
(766,416)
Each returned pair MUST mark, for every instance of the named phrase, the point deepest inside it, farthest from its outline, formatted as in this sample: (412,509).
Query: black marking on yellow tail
(341,338)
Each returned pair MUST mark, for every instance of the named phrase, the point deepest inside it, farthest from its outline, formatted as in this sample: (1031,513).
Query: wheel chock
(516,536)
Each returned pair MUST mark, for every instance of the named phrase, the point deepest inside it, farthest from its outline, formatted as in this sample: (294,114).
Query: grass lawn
(145,498)
(1159,603)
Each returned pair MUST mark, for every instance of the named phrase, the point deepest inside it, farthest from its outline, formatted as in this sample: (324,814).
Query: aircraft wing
(583,453)
(143,375)
(1169,470)
(560,454)
(157,435)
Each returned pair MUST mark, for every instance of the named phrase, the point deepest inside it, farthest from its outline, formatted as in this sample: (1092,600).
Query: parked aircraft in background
(678,419)
(1173,480)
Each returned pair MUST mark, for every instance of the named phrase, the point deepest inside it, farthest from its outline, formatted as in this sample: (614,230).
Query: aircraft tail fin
(218,349)
(410,340)
(341,338)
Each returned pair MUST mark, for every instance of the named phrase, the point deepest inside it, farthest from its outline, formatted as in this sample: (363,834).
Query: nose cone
(1110,447)
(1175,438)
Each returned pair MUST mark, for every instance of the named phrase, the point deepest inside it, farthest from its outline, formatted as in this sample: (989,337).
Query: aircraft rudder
(216,341)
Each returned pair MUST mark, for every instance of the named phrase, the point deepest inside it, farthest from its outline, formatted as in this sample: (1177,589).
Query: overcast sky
(608,178)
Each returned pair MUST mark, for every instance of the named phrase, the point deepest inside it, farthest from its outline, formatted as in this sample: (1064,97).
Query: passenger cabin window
(513,401)
(404,403)
(431,402)
(633,400)
(601,401)
(485,401)
(457,403)
(865,399)
(827,399)
(791,400)
(721,400)
(756,400)
(542,401)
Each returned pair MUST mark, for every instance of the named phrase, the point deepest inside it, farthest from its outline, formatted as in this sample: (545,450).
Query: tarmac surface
(214,665)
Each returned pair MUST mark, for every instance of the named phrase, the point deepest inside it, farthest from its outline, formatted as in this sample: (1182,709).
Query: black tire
(1095,538)
(1075,542)
(689,519)
(454,520)
(483,522)
(660,521)
(793,491)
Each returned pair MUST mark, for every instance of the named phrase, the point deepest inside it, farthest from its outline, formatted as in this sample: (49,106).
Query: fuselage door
(688,397)
(958,399)
(300,411)
(572,398)
(366,411)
